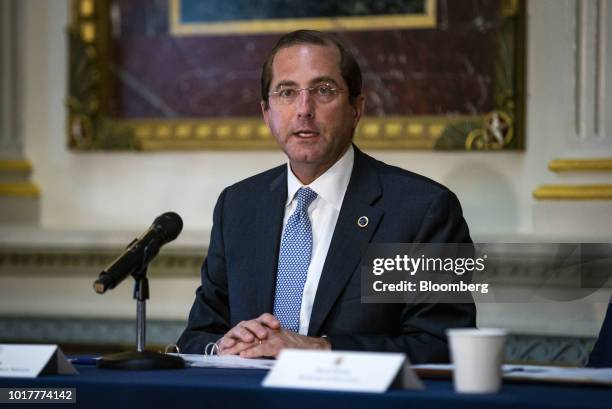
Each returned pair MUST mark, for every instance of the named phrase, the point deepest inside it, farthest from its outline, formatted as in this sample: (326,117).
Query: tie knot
(305,196)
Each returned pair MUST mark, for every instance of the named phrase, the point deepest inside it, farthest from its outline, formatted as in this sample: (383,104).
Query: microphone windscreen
(169,224)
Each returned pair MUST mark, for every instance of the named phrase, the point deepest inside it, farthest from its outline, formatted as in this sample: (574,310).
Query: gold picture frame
(91,127)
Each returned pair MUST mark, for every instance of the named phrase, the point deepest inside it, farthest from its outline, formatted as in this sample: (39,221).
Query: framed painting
(184,74)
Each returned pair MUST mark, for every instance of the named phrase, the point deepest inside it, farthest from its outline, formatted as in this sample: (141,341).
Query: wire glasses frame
(322,93)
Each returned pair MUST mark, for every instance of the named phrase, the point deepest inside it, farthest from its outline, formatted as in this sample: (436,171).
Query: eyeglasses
(322,93)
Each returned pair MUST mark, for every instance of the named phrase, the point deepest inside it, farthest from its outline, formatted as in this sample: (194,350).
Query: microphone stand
(141,359)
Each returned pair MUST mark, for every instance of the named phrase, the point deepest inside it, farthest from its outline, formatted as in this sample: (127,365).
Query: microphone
(140,251)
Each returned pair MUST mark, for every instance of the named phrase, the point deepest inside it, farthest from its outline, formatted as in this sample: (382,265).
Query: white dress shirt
(323,213)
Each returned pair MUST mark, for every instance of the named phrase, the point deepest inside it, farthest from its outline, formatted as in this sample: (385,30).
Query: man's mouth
(305,133)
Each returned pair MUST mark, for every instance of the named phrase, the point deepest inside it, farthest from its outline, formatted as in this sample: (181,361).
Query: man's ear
(358,108)
(265,112)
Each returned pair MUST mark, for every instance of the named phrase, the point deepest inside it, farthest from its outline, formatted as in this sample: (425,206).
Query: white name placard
(29,361)
(337,370)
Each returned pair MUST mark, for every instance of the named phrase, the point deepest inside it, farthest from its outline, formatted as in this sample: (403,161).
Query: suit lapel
(349,240)
(269,224)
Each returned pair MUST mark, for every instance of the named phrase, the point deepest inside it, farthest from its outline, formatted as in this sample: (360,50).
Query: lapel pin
(362,221)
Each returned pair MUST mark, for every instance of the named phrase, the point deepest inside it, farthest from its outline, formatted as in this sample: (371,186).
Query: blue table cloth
(241,388)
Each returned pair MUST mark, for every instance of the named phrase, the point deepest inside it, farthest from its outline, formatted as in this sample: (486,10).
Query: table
(240,388)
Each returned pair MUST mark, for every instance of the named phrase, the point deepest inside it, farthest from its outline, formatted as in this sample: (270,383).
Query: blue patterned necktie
(293,261)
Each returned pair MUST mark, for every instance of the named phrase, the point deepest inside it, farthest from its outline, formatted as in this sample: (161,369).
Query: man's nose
(305,104)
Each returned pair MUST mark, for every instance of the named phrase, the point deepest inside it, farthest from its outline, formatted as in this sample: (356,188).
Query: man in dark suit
(602,352)
(282,269)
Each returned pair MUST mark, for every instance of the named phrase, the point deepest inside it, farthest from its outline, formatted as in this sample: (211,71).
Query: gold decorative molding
(19,189)
(13,165)
(417,132)
(573,192)
(510,7)
(580,165)
(496,132)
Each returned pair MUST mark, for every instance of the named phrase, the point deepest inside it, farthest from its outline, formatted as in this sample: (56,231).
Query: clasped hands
(264,337)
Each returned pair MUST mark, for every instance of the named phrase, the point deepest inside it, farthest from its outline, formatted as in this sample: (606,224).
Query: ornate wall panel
(592,92)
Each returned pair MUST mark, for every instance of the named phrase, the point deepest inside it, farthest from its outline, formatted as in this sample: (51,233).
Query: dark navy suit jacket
(602,352)
(238,275)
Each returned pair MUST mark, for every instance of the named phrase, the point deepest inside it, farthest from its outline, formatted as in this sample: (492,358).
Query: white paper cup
(477,355)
